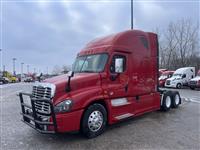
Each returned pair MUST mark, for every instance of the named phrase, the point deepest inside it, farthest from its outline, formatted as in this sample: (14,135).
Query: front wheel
(94,120)
(192,88)
(178,86)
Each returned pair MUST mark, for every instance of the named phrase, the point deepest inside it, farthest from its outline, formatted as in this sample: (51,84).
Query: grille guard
(33,118)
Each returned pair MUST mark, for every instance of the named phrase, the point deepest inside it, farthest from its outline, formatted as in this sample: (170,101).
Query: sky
(43,34)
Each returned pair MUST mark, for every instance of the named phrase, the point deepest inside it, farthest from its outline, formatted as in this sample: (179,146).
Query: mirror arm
(68,87)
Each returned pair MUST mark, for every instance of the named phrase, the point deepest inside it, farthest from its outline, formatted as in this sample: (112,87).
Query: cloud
(51,33)
(153,9)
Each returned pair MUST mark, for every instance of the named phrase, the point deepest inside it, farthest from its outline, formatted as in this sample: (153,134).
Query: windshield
(177,75)
(163,77)
(90,63)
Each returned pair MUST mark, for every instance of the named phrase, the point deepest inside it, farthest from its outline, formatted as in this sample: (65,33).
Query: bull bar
(32,117)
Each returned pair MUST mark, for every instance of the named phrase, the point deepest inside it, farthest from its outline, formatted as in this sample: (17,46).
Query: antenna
(131,14)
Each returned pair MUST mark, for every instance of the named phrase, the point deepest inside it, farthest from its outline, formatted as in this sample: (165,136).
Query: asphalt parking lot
(176,129)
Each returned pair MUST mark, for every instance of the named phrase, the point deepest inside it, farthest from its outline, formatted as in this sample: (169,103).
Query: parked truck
(113,78)
(161,71)
(11,78)
(195,82)
(181,77)
(165,75)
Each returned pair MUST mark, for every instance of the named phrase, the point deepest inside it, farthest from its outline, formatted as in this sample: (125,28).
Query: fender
(83,97)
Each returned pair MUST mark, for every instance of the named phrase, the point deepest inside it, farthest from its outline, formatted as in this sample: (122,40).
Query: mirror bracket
(70,75)
(113,77)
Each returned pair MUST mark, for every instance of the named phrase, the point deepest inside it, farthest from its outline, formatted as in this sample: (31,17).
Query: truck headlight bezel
(64,106)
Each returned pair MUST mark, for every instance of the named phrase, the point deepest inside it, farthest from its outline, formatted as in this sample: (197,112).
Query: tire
(192,88)
(179,86)
(167,101)
(94,121)
(176,99)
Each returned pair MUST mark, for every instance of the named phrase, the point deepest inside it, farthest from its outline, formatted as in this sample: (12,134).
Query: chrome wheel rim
(177,99)
(168,101)
(95,121)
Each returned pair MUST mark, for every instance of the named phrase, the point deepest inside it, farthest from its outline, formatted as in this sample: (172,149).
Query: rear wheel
(167,101)
(176,99)
(94,120)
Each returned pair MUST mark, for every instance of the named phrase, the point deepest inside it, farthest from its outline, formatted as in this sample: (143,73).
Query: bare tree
(57,70)
(180,45)
(66,68)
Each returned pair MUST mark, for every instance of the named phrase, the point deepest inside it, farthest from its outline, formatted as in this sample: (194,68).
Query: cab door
(118,80)
(117,87)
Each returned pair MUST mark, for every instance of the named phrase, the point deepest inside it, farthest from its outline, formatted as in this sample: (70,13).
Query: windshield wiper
(88,71)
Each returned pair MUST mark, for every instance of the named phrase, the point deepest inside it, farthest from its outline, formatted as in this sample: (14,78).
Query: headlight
(63,106)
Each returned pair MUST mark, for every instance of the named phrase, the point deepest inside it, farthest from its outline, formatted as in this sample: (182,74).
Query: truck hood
(78,81)
(174,78)
(197,78)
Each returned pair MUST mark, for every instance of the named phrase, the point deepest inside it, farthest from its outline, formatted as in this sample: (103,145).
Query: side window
(144,42)
(113,66)
(184,76)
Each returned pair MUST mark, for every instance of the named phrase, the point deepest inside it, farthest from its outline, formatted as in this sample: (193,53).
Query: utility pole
(14,72)
(131,14)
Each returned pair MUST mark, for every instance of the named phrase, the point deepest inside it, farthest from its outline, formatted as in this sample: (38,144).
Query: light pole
(132,14)
(47,70)
(14,59)
(34,69)
(1,60)
(4,68)
(27,69)
(22,69)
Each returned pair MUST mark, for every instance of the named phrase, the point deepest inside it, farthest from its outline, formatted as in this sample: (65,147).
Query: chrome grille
(40,92)
(42,107)
(193,82)
(168,82)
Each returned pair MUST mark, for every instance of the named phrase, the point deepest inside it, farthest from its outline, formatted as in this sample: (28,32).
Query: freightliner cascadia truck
(113,78)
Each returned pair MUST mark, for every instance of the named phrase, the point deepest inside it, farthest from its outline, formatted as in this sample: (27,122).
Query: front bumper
(161,83)
(170,85)
(35,119)
(194,85)
(48,123)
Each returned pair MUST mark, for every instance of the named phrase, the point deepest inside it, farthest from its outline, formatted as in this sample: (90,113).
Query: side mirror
(119,65)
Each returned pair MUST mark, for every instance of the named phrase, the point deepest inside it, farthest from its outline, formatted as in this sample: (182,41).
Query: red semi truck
(113,78)
(164,76)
